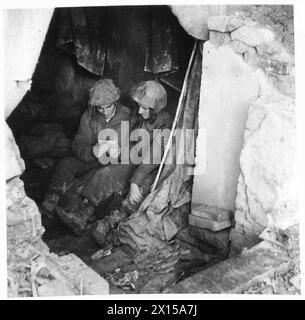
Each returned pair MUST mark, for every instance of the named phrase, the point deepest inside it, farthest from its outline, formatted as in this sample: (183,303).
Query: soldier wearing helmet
(81,185)
(151,98)
(73,173)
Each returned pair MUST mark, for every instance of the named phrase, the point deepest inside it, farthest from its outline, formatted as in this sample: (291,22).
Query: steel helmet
(151,94)
(104,92)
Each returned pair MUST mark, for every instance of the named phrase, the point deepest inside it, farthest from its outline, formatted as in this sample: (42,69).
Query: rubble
(253,35)
(219,38)
(227,23)
(32,270)
(265,192)
(240,47)
(237,274)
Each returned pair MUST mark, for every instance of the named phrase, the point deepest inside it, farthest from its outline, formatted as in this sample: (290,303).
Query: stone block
(219,38)
(54,288)
(208,224)
(212,213)
(240,47)
(253,35)
(226,23)
(73,271)
(236,274)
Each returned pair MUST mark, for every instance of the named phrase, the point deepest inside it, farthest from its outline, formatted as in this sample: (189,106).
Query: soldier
(73,173)
(151,98)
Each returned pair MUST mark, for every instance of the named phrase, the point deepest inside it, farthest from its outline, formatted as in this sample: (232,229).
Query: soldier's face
(144,111)
(107,110)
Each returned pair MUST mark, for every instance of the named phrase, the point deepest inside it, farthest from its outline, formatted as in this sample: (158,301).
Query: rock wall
(248,111)
(266,193)
(32,270)
(265,180)
(194,18)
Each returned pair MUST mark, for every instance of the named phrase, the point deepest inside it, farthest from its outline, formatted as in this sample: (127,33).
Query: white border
(300,94)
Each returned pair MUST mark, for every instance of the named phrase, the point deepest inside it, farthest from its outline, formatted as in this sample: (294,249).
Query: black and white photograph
(150,149)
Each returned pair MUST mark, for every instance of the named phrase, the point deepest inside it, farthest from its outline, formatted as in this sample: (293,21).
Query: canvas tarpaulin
(81,32)
(155,223)
(162,51)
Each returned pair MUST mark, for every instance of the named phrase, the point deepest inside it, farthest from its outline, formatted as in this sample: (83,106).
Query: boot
(104,226)
(48,216)
(76,220)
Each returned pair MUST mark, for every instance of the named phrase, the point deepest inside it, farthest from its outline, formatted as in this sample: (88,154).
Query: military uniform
(106,181)
(84,164)
(143,175)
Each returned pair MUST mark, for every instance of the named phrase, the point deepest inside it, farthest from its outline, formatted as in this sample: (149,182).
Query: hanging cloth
(162,50)
(80,32)
(147,229)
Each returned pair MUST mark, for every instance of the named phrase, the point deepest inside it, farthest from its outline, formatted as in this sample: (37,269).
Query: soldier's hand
(114,149)
(135,194)
(100,149)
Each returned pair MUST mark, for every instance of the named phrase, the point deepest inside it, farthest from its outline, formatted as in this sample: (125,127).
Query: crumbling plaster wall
(25,31)
(28,259)
(248,111)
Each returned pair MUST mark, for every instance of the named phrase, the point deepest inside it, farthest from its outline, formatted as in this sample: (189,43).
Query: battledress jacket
(112,178)
(161,121)
(90,127)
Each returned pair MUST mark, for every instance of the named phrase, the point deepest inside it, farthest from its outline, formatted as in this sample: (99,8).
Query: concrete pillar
(228,85)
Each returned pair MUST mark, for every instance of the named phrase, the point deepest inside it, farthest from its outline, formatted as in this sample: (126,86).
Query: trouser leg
(66,173)
(103,227)
(63,177)
(106,182)
(101,185)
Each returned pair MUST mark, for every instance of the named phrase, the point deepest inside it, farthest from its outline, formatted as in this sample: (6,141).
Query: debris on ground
(126,281)
(128,271)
